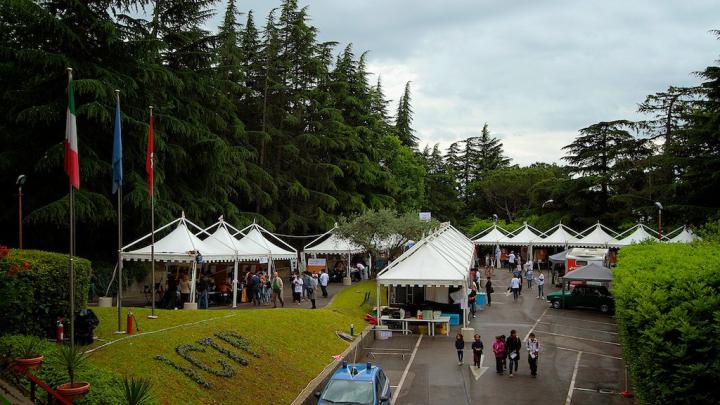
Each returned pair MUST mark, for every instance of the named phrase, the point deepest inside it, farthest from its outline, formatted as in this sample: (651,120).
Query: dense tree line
(253,123)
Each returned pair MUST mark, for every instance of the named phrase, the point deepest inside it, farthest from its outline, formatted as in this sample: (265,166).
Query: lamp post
(660,208)
(19,182)
(544,204)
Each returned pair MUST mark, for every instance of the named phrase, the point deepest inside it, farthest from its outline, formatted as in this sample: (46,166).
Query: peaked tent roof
(254,245)
(521,236)
(441,259)
(591,272)
(597,238)
(222,239)
(559,257)
(639,234)
(684,236)
(561,236)
(180,245)
(490,236)
(333,245)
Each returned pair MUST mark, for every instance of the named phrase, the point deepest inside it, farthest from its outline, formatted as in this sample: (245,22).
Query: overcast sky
(535,71)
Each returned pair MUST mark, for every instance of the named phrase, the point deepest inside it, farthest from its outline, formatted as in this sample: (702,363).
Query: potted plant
(71,358)
(28,355)
(137,391)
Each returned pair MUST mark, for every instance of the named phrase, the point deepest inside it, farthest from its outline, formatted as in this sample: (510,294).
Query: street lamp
(660,208)
(19,182)
(495,218)
(547,202)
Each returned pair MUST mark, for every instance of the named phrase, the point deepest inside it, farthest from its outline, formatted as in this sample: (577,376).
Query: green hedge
(34,288)
(668,311)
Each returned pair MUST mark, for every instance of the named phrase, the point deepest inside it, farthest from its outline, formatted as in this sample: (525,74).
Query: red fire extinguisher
(130,318)
(60,331)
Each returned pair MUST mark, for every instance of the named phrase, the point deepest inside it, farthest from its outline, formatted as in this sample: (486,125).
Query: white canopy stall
(223,240)
(523,236)
(638,233)
(442,259)
(683,236)
(333,245)
(596,236)
(558,236)
(180,246)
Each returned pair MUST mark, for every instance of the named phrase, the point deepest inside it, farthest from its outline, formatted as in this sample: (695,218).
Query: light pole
(19,182)
(660,208)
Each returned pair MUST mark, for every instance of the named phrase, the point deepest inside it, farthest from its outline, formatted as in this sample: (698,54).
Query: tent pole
(192,281)
(377,309)
(235,282)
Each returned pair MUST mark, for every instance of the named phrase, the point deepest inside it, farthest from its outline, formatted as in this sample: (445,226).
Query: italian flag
(72,165)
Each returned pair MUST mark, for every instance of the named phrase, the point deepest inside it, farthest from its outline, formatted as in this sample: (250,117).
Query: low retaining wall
(354,351)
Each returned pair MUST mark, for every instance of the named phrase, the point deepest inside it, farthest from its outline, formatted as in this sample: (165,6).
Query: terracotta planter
(73,390)
(23,364)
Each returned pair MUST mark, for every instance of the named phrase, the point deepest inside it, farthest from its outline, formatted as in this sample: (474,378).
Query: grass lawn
(294,345)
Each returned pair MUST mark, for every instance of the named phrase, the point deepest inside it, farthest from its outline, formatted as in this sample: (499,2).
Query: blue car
(356,384)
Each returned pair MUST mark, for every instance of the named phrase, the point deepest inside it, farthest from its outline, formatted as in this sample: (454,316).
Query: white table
(405,324)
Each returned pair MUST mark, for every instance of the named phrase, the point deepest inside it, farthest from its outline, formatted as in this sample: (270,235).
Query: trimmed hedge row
(34,290)
(668,312)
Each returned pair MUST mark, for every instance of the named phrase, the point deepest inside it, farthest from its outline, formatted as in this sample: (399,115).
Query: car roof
(363,374)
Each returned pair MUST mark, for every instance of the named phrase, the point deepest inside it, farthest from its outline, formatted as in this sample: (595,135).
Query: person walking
(460,347)
(515,284)
(498,348)
(541,285)
(477,348)
(256,289)
(297,288)
(533,348)
(311,289)
(512,346)
(471,299)
(529,278)
(277,290)
(489,290)
(324,279)
(203,290)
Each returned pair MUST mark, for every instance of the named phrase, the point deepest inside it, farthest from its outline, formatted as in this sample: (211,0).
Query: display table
(405,324)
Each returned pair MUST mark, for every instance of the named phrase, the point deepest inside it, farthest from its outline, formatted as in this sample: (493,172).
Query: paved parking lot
(580,361)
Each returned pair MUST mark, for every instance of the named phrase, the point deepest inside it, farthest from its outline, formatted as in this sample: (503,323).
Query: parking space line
(580,338)
(591,353)
(404,374)
(577,327)
(568,399)
(535,325)
(582,319)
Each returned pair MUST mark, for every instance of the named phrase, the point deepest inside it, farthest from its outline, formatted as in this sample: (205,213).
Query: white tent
(522,236)
(490,236)
(223,241)
(561,236)
(333,245)
(684,236)
(254,245)
(596,236)
(442,259)
(638,233)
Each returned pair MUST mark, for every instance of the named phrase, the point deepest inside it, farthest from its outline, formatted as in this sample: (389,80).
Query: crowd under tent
(331,244)
(596,236)
(637,234)
(435,264)
(683,236)
(181,245)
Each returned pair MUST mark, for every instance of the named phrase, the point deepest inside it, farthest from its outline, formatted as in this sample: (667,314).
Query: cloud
(536,72)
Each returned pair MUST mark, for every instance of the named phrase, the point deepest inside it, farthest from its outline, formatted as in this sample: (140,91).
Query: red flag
(149,160)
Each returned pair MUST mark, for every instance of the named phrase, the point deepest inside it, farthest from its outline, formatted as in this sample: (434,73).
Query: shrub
(668,313)
(34,290)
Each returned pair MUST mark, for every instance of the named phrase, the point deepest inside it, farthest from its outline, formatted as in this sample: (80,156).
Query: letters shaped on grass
(226,370)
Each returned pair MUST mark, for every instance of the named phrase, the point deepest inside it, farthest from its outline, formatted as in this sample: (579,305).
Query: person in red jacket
(499,349)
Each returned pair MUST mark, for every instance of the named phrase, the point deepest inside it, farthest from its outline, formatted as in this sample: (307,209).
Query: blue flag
(117,152)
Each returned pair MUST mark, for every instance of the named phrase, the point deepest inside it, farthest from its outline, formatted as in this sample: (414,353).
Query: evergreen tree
(490,153)
(404,118)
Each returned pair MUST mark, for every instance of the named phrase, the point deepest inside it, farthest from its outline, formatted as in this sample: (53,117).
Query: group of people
(306,285)
(516,283)
(507,352)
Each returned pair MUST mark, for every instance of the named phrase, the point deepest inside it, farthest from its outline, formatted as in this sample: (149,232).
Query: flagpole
(152,228)
(72,248)
(120,238)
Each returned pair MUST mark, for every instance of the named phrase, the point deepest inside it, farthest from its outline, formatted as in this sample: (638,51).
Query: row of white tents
(560,235)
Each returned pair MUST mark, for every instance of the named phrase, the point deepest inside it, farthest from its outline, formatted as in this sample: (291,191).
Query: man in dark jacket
(255,289)
(512,347)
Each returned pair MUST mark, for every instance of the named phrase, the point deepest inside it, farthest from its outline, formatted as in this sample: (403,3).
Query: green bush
(668,312)
(34,289)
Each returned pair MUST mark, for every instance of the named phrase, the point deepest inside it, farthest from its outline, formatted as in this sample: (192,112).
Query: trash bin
(382,332)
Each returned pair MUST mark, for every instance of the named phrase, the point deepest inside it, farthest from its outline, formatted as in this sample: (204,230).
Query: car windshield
(349,392)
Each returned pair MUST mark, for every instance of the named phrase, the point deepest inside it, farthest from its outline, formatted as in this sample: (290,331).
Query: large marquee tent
(441,259)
